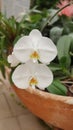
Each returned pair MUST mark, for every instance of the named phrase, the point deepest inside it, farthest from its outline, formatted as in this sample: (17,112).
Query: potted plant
(19,44)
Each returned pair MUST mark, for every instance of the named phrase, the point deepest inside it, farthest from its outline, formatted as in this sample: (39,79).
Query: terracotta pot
(53,109)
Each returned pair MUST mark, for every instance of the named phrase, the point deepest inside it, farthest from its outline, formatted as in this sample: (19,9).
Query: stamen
(33,82)
(34,56)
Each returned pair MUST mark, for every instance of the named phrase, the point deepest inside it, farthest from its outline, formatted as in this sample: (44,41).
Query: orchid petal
(44,76)
(23,49)
(20,76)
(35,36)
(13,60)
(47,50)
(23,73)
(31,67)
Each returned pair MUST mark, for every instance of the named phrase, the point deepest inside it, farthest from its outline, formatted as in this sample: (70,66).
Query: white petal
(23,55)
(23,73)
(47,50)
(31,67)
(44,76)
(13,60)
(21,76)
(23,48)
(35,36)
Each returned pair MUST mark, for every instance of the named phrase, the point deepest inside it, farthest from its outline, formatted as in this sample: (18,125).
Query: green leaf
(35,17)
(65,61)
(4,62)
(57,88)
(2,40)
(67,24)
(63,47)
(12,23)
(54,67)
(55,33)
(71,35)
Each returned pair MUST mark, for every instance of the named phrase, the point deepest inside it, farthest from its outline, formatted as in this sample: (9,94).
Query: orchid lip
(33,81)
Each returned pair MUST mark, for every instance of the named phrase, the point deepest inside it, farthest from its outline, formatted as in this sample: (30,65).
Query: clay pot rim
(46,95)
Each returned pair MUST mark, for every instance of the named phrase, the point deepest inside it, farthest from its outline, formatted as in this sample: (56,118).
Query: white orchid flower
(32,74)
(35,47)
(13,60)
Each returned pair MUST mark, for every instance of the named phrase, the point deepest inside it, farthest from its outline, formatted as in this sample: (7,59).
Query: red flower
(68,11)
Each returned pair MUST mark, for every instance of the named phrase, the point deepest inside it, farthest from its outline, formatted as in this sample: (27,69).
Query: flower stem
(67,82)
(50,19)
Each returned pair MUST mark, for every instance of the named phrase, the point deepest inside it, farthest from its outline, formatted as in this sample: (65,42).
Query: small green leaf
(65,61)
(71,36)
(68,25)
(55,33)
(35,18)
(57,88)
(54,67)
(63,46)
(4,62)
(2,41)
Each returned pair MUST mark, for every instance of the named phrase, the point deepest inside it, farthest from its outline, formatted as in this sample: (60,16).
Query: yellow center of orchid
(33,82)
(34,56)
